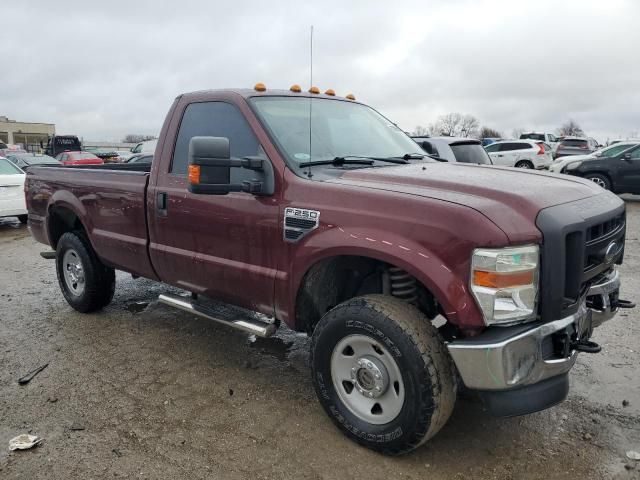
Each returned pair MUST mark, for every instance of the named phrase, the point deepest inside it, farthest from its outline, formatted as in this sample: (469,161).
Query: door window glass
(214,119)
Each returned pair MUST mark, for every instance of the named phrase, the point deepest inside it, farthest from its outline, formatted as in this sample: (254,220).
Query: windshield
(576,143)
(8,168)
(533,136)
(470,153)
(35,159)
(614,150)
(339,129)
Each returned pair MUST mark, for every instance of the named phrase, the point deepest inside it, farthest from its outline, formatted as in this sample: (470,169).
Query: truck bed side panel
(110,204)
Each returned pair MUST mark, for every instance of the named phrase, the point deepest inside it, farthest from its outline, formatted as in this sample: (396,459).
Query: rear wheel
(86,283)
(382,373)
(524,164)
(600,180)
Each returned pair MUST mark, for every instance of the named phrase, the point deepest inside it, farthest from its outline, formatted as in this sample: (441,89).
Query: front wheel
(382,373)
(599,180)
(23,218)
(86,283)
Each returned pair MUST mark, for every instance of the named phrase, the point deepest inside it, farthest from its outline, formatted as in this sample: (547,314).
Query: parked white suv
(521,154)
(548,138)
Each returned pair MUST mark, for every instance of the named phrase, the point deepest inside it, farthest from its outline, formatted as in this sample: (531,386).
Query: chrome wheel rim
(367,379)
(73,272)
(599,182)
(524,165)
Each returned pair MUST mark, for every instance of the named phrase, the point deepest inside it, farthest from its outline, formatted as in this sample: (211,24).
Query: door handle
(161,204)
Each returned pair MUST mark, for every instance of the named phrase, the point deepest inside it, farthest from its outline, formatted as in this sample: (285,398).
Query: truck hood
(509,197)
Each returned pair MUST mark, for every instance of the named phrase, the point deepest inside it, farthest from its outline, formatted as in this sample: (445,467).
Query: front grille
(600,230)
(576,240)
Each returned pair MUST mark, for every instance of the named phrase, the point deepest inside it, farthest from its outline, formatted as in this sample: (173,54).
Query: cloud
(102,70)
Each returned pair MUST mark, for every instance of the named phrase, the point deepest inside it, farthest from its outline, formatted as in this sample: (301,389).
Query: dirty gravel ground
(141,390)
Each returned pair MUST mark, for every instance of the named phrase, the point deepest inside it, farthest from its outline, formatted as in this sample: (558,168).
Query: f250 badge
(299,222)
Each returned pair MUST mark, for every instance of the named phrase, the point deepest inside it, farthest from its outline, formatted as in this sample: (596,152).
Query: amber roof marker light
(350,96)
(295,88)
(314,90)
(260,87)
(331,92)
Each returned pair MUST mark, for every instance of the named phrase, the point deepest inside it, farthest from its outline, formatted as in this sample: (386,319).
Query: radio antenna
(310,102)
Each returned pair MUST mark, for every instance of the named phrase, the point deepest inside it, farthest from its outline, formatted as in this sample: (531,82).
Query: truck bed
(108,200)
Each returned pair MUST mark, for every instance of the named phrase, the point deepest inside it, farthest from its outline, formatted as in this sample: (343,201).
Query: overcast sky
(104,69)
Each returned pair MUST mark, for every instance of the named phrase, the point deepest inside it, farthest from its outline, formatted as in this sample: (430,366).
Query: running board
(226,316)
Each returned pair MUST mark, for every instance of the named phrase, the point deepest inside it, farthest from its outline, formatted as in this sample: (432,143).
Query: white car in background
(12,203)
(521,154)
(548,138)
(148,146)
(561,163)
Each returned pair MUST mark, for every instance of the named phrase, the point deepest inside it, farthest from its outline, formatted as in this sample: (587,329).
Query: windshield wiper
(363,160)
(440,159)
(338,162)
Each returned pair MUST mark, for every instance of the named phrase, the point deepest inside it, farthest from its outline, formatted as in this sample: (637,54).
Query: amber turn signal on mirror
(194,174)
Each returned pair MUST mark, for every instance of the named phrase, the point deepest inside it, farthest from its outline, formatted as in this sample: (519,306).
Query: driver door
(221,246)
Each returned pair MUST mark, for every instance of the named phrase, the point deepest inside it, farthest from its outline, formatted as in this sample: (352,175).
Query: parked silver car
(454,149)
(575,146)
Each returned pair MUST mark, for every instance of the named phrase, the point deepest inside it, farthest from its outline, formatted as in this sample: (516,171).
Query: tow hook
(564,345)
(626,304)
(586,346)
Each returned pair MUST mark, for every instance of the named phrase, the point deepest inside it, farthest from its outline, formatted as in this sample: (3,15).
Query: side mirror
(626,156)
(210,166)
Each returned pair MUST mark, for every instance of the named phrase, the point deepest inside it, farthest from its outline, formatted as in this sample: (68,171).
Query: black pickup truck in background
(61,143)
(619,173)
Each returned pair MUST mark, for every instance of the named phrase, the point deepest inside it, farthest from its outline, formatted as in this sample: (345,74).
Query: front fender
(444,281)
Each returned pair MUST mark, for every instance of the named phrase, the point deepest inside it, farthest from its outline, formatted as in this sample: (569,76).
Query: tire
(404,337)
(94,282)
(599,179)
(524,164)
(23,218)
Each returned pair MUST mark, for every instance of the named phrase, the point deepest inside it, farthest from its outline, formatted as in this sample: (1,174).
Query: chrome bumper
(604,291)
(516,361)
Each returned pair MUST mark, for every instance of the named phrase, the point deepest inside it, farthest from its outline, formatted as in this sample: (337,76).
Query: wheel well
(61,221)
(336,279)
(524,161)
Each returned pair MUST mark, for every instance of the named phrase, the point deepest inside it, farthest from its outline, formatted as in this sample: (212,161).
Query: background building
(26,133)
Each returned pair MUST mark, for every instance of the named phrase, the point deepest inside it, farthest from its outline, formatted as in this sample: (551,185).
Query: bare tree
(516,132)
(488,132)
(420,131)
(455,125)
(449,124)
(468,126)
(137,138)
(570,128)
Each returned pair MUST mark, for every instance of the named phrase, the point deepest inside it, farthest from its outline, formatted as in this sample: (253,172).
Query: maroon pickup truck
(412,276)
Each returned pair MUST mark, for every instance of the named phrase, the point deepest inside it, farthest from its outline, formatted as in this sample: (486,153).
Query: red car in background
(79,158)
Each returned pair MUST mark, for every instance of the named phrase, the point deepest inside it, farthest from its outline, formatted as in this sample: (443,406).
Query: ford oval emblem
(611,252)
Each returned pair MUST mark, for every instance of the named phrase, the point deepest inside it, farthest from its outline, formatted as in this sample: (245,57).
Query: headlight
(504,282)
(573,165)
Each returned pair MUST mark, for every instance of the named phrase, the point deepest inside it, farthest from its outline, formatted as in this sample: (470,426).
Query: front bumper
(510,358)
